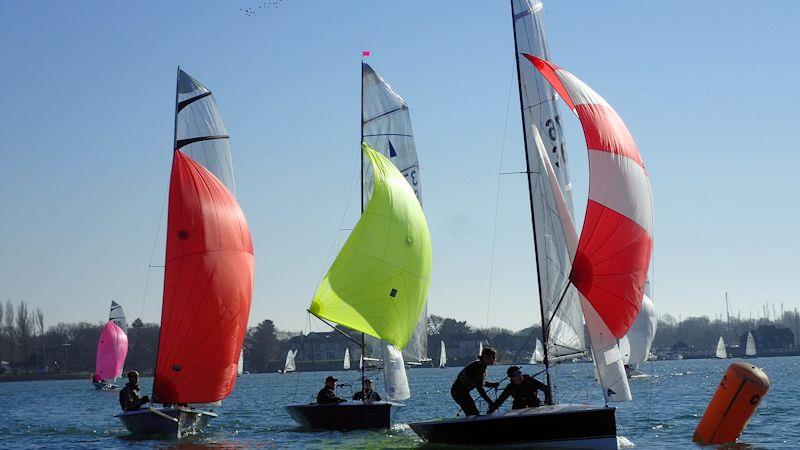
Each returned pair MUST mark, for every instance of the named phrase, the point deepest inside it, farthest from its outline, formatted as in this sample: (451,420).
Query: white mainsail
(443,356)
(386,126)
(289,365)
(346,363)
(750,349)
(545,143)
(538,353)
(721,353)
(240,365)
(117,315)
(642,333)
(480,348)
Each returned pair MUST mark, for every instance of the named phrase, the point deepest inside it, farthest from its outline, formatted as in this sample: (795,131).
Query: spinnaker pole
(530,199)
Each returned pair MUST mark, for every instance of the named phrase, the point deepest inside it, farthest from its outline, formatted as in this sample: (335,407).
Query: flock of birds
(250,12)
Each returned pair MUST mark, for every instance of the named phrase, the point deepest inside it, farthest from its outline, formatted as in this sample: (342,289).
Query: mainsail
(443,356)
(538,353)
(240,364)
(721,353)
(346,361)
(545,144)
(642,333)
(750,347)
(612,256)
(112,348)
(208,278)
(289,366)
(386,127)
(117,315)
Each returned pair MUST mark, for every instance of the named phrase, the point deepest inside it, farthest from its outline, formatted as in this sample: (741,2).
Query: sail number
(412,177)
(553,126)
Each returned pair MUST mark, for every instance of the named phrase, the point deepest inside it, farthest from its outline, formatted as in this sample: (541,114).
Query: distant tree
(39,322)
(452,327)
(142,346)
(137,323)
(434,324)
(2,331)
(9,329)
(262,344)
(25,331)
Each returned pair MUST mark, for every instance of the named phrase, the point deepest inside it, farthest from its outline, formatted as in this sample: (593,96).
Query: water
(665,410)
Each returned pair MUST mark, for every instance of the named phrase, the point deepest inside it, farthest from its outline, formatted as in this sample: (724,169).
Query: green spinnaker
(378,283)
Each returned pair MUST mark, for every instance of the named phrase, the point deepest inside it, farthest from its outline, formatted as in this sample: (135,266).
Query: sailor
(473,376)
(367,393)
(523,388)
(327,395)
(129,397)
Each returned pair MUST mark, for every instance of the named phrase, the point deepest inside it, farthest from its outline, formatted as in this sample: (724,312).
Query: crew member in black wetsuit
(473,376)
(327,395)
(367,393)
(523,388)
(129,397)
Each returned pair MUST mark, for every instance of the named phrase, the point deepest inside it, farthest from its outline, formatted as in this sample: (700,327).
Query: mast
(530,200)
(361,186)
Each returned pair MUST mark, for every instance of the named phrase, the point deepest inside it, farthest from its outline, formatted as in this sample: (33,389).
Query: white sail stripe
(579,92)
(621,184)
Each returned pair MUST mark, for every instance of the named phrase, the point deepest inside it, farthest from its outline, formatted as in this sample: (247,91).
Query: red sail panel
(208,285)
(616,243)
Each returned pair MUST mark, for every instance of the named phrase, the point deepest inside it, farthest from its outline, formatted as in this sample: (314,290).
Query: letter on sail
(609,266)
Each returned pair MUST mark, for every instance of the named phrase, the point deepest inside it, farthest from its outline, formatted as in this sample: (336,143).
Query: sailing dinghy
(443,357)
(208,277)
(640,338)
(112,348)
(720,351)
(377,286)
(598,277)
(750,346)
(289,365)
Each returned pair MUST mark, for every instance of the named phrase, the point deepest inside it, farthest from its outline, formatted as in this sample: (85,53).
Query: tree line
(26,347)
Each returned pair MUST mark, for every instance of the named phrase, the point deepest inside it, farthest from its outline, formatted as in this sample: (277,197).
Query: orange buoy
(737,397)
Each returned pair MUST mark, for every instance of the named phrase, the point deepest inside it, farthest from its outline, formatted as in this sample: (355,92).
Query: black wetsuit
(524,394)
(327,396)
(372,396)
(130,399)
(473,376)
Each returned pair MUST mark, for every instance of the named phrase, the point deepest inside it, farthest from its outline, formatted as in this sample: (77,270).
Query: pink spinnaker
(111,352)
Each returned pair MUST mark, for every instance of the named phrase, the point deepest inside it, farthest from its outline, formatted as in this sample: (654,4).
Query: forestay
(613,253)
(545,143)
(386,127)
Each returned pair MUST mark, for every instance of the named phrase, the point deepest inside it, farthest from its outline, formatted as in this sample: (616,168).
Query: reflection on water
(667,406)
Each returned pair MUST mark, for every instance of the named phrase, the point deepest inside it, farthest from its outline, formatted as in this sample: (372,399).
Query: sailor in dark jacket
(524,390)
(327,395)
(367,393)
(473,376)
(130,398)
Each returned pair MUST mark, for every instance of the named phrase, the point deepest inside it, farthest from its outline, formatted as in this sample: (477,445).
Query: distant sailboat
(598,277)
(538,353)
(289,365)
(112,348)
(240,365)
(480,348)
(208,275)
(443,357)
(377,285)
(721,353)
(640,337)
(346,363)
(750,349)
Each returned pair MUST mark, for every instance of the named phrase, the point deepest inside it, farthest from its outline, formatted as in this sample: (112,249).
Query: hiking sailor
(130,399)
(473,376)
(523,388)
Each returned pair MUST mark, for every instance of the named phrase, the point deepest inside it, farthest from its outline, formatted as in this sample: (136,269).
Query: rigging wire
(153,251)
(497,192)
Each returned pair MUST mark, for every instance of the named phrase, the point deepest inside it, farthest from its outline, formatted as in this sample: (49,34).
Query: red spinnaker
(208,285)
(616,242)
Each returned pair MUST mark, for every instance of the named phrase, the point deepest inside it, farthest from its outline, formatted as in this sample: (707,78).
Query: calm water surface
(666,408)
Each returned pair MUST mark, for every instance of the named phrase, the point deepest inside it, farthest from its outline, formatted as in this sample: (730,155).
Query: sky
(708,90)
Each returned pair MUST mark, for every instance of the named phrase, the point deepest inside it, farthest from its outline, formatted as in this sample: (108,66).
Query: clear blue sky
(708,89)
